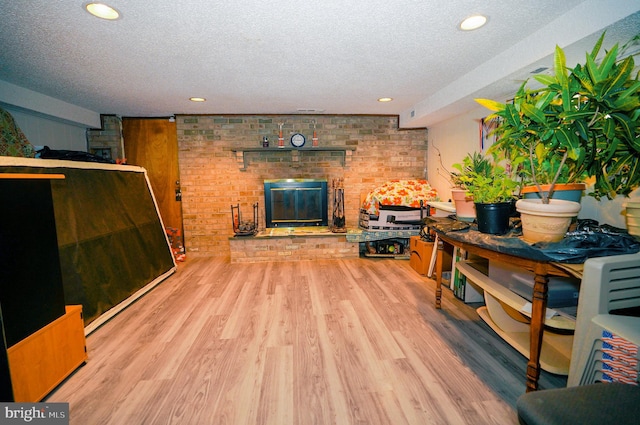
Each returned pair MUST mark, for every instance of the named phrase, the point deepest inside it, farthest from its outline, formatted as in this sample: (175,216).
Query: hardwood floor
(353,341)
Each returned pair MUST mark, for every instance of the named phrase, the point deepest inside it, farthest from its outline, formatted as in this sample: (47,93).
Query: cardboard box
(392,218)
(420,255)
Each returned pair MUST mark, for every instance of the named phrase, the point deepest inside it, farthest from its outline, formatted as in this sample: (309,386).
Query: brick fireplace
(369,151)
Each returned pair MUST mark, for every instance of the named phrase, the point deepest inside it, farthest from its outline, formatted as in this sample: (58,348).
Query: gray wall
(42,130)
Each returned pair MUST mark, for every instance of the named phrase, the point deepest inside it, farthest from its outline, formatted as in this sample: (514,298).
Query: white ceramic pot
(546,222)
(633,218)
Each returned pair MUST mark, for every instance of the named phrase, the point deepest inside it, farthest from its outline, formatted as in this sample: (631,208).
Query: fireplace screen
(295,203)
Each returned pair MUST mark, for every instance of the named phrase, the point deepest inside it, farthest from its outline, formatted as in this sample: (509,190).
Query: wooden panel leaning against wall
(152,143)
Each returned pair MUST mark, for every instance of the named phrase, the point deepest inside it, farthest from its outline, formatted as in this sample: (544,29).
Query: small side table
(522,255)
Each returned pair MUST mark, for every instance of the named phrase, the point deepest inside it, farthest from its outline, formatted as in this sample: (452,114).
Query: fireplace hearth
(296,203)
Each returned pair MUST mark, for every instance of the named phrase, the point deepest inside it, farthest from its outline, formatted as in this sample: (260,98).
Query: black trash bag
(590,239)
(48,153)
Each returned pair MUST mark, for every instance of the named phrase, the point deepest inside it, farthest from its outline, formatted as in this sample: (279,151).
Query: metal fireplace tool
(244,228)
(338,222)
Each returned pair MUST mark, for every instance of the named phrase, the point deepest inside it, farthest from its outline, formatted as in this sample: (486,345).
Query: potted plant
(581,122)
(474,163)
(547,170)
(492,188)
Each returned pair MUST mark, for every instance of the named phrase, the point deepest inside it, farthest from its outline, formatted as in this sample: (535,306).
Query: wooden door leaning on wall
(152,143)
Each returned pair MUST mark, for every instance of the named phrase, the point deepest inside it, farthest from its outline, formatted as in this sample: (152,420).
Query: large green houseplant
(582,122)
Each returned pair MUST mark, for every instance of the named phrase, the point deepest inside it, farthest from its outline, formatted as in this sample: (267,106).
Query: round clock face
(297,140)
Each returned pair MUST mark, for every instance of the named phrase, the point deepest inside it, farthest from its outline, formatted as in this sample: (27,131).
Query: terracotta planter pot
(565,191)
(465,208)
(546,222)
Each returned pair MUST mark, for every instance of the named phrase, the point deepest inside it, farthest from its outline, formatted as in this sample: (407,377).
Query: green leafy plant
(583,122)
(472,163)
(488,183)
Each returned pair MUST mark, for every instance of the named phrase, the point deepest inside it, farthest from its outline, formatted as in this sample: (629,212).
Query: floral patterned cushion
(406,193)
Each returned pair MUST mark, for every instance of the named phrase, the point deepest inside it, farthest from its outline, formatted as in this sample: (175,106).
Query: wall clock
(297,140)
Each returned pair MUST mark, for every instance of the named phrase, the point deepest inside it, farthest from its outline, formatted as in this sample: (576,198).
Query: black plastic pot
(493,218)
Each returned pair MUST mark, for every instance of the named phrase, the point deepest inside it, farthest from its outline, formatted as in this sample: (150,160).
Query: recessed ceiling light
(385,99)
(473,22)
(102,10)
(197,99)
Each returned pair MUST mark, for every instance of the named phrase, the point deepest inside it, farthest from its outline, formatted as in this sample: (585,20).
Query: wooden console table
(489,247)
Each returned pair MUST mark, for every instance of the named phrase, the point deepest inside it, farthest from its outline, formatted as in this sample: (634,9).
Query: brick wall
(107,137)
(212,179)
(255,250)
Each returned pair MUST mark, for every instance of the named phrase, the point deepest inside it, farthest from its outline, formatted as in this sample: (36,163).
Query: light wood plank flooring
(353,341)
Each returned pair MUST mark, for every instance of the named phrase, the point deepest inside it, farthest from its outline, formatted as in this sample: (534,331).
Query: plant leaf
(608,61)
(569,141)
(592,69)
(560,64)
(545,100)
(620,77)
(512,116)
(631,90)
(491,105)
(582,129)
(534,113)
(583,78)
(545,79)
(627,128)
(611,151)
(627,104)
(609,129)
(576,115)
(598,45)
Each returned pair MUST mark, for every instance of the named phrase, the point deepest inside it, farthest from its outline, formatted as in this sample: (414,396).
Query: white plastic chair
(605,345)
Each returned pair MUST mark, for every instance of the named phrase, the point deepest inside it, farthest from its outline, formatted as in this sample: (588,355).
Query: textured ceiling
(288,56)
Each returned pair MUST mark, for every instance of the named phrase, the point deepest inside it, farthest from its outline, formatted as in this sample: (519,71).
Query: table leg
(538,311)
(439,245)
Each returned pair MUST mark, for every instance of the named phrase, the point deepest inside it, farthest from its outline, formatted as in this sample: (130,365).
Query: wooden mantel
(347,152)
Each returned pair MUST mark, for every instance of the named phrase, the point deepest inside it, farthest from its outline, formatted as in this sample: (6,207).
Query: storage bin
(563,291)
